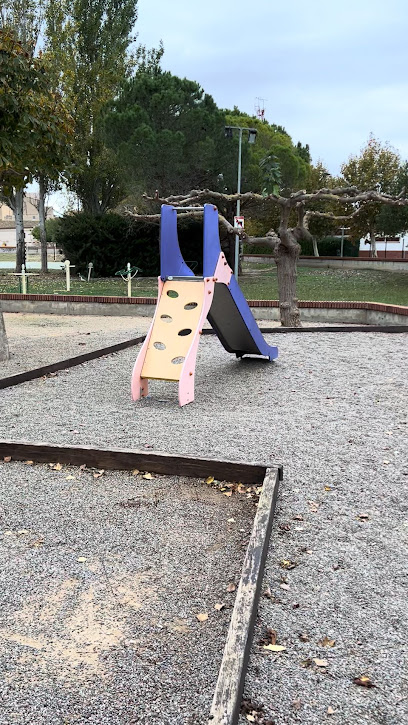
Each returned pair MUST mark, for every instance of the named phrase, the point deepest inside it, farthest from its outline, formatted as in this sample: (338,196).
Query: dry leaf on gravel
(330,711)
(28,463)
(268,593)
(269,637)
(202,617)
(81,559)
(304,637)
(285,587)
(135,472)
(287,564)
(326,642)
(231,587)
(70,478)
(231,521)
(148,476)
(210,479)
(320,663)
(227,493)
(274,647)
(298,517)
(363,681)
(99,473)
(219,606)
(57,467)
(7,459)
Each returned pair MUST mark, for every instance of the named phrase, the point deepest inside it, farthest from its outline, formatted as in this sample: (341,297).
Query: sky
(331,73)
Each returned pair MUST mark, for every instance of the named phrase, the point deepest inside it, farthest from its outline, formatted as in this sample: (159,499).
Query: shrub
(111,240)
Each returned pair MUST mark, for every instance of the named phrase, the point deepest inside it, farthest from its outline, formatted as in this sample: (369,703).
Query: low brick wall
(389,265)
(363,313)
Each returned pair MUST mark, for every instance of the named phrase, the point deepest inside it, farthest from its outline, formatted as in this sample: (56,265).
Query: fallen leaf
(82,467)
(268,593)
(386,462)
(70,478)
(22,531)
(320,663)
(274,647)
(363,681)
(38,543)
(231,587)
(57,467)
(327,488)
(330,711)
(304,637)
(98,474)
(7,459)
(135,472)
(231,521)
(298,517)
(227,493)
(219,606)
(286,587)
(288,564)
(148,476)
(309,551)
(210,479)
(250,718)
(81,559)
(7,533)
(28,463)
(202,617)
(326,642)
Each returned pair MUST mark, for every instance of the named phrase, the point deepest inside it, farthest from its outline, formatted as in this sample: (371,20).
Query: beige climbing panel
(175,324)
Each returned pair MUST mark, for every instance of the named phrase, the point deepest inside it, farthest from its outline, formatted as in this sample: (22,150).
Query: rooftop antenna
(260,108)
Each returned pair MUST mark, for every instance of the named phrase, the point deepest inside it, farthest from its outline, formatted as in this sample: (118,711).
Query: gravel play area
(334,410)
(36,340)
(102,580)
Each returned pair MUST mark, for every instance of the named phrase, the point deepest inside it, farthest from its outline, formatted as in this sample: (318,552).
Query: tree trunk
(286,254)
(20,236)
(43,233)
(4,351)
(373,243)
(315,248)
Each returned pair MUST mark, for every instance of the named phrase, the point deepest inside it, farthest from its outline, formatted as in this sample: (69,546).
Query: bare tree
(293,226)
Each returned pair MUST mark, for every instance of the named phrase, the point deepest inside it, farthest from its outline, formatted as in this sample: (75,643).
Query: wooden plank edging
(126,459)
(328,328)
(68,363)
(226,703)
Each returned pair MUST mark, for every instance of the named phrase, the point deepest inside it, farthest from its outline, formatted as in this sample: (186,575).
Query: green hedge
(111,240)
(328,247)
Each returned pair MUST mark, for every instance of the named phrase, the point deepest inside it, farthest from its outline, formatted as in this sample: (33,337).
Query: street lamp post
(251,139)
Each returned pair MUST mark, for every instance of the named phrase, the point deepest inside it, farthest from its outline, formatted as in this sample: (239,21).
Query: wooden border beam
(227,698)
(125,459)
(328,328)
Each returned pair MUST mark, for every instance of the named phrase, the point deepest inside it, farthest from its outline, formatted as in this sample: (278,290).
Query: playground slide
(184,302)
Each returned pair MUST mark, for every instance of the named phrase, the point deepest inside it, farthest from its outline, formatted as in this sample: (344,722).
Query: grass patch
(313,284)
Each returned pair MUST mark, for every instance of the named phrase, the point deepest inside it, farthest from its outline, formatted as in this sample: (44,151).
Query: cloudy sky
(331,73)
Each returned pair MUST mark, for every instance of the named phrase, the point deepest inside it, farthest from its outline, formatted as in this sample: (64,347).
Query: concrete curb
(363,313)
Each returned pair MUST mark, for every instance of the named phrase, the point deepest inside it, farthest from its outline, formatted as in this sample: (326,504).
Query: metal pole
(129,280)
(23,280)
(342,242)
(236,260)
(68,274)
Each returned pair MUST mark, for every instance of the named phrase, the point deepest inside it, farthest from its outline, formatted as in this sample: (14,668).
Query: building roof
(10,223)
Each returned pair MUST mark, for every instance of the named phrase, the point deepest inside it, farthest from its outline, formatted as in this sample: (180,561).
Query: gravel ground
(36,340)
(99,597)
(333,410)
